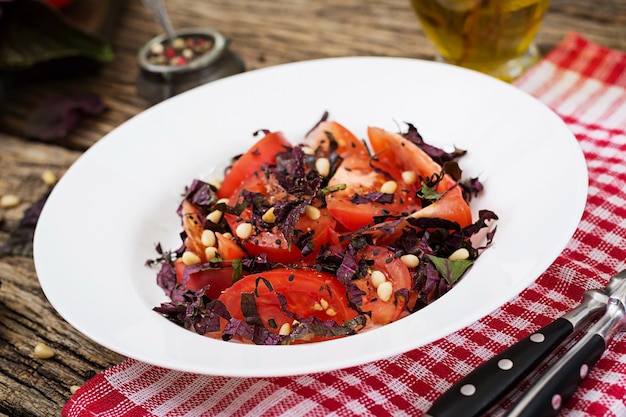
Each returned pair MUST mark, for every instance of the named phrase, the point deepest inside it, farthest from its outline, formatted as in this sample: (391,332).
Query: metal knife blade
(493,380)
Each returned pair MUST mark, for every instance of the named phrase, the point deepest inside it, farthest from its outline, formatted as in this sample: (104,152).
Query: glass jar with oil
(492,36)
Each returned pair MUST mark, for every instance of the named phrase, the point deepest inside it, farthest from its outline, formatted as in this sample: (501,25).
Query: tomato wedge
(266,237)
(193,226)
(308,293)
(262,153)
(392,148)
(219,279)
(347,143)
(384,279)
(358,179)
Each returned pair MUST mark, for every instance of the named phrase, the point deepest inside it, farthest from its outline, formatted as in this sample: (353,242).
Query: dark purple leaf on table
(60,113)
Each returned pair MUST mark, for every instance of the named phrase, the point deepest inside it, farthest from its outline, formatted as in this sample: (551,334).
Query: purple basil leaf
(437,154)
(195,313)
(249,310)
(372,197)
(471,188)
(329,328)
(257,334)
(200,194)
(166,278)
(60,113)
(287,214)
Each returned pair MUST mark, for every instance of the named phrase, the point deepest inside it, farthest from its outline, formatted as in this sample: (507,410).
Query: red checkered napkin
(586,85)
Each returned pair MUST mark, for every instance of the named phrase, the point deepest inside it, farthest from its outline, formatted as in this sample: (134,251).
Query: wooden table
(263,33)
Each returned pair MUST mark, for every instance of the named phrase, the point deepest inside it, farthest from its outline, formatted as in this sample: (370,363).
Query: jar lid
(199,62)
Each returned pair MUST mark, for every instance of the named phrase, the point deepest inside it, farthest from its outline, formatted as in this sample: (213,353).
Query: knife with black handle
(492,381)
(549,394)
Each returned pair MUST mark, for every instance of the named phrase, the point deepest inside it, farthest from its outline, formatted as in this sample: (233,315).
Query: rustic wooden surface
(263,33)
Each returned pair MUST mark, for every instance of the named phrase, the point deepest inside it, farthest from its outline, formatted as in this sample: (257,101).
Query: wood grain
(263,33)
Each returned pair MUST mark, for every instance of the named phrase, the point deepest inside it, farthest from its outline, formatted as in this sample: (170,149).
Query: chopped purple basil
(432,240)
(438,155)
(374,196)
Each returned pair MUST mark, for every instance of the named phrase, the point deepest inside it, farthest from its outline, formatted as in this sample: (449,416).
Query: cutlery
(549,394)
(493,380)
(159,13)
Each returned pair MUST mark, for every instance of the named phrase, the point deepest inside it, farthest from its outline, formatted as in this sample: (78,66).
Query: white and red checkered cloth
(583,83)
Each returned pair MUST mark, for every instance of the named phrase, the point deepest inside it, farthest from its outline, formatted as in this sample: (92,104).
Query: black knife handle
(559,387)
(487,384)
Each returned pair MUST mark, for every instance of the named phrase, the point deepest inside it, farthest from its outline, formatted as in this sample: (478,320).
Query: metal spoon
(159,12)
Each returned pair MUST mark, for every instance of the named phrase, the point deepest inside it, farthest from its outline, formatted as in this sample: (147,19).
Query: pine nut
(317,307)
(187,53)
(222,201)
(322,165)
(285,329)
(410,260)
(389,187)
(243,230)
(331,312)
(215,182)
(377,278)
(74,388)
(308,150)
(9,201)
(208,238)
(43,351)
(215,216)
(178,43)
(409,177)
(157,48)
(384,291)
(210,253)
(190,258)
(312,212)
(268,216)
(227,235)
(324,304)
(459,254)
(48,177)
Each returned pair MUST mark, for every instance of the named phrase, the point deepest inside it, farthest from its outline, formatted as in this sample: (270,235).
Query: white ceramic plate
(104,217)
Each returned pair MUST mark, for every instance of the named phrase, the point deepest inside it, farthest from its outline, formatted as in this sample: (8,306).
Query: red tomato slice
(308,293)
(392,148)
(272,241)
(193,227)
(359,178)
(262,153)
(452,206)
(219,279)
(348,144)
(227,249)
(397,277)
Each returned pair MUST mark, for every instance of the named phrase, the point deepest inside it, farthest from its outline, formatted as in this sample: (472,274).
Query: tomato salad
(322,239)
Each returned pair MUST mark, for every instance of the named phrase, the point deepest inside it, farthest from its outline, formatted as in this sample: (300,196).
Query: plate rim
(304,349)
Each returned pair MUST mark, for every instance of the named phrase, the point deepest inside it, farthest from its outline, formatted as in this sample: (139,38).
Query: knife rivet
(505,364)
(584,370)
(556,402)
(537,338)
(468,390)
